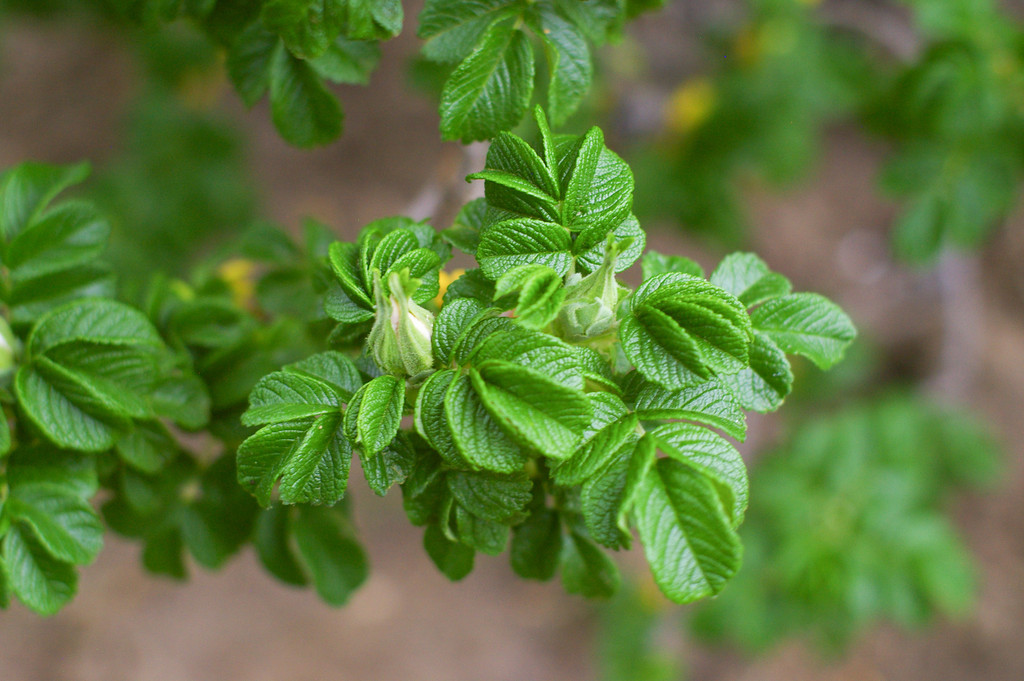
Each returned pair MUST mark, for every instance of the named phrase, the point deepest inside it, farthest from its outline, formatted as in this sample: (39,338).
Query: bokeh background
(870,150)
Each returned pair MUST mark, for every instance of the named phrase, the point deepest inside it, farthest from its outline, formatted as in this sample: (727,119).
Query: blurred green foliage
(847,526)
(950,103)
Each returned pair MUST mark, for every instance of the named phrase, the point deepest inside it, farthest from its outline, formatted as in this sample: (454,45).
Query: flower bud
(400,338)
(10,347)
(590,303)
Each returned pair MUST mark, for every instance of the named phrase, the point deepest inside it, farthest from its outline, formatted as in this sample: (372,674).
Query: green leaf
(271,540)
(27,189)
(348,61)
(105,322)
(183,399)
(430,419)
(249,60)
(148,447)
(597,187)
(307,27)
(524,242)
(586,570)
(807,324)
(375,413)
(389,466)
(332,368)
(682,329)
(336,563)
(537,412)
(310,457)
(602,498)
(5,435)
(537,545)
(453,29)
(477,435)
(762,386)
(748,278)
(534,292)
(486,536)
(491,89)
(705,403)
(71,234)
(39,581)
(64,524)
(654,264)
(464,233)
(285,396)
(687,535)
(629,238)
(569,67)
(30,300)
(303,110)
(539,352)
(41,464)
(69,411)
(454,559)
(451,324)
(711,455)
(500,498)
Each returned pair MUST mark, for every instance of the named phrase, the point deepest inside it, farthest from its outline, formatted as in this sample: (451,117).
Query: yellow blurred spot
(240,276)
(182,290)
(444,280)
(747,45)
(201,89)
(690,105)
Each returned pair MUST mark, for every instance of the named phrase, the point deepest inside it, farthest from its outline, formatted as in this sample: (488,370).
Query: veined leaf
(524,241)
(64,524)
(569,67)
(95,320)
(687,535)
(540,352)
(303,110)
(477,435)
(336,563)
(534,292)
(40,581)
(451,324)
(452,29)
(762,386)
(500,498)
(375,412)
(705,403)
(431,421)
(748,278)
(284,396)
(711,455)
(491,89)
(454,559)
(71,234)
(27,189)
(807,324)
(311,458)
(654,264)
(586,570)
(597,186)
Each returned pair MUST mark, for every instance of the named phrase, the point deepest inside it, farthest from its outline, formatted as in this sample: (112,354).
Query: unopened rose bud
(400,337)
(589,307)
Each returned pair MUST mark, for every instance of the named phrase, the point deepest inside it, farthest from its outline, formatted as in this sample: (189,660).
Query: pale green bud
(591,301)
(10,347)
(400,338)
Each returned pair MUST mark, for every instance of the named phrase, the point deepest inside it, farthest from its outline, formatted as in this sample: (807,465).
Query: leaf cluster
(555,409)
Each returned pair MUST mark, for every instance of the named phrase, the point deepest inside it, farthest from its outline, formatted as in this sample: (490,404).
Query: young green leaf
(569,67)
(705,403)
(687,534)
(766,382)
(454,559)
(491,89)
(335,562)
(27,189)
(524,241)
(477,435)
(499,498)
(64,524)
(373,416)
(807,324)
(310,457)
(304,111)
(40,581)
(711,455)
(748,278)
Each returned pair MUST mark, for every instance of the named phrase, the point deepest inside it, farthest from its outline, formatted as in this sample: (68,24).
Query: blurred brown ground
(62,93)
